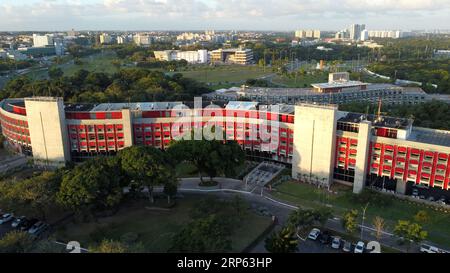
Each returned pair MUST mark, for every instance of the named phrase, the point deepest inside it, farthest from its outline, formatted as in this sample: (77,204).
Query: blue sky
(222,14)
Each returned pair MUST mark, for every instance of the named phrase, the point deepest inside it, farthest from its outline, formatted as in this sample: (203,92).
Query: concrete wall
(362,153)
(314,143)
(127,127)
(48,130)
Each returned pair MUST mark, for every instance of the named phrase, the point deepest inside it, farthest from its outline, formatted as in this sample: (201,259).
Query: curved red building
(320,142)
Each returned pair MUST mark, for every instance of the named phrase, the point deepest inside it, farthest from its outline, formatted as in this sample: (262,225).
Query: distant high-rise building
(142,39)
(308,33)
(395,34)
(364,35)
(355,31)
(341,34)
(42,40)
(105,38)
(121,40)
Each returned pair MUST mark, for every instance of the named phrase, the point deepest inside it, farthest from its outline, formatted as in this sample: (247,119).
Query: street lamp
(363,218)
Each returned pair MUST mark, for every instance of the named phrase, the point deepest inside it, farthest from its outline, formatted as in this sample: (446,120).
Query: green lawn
(224,74)
(155,228)
(309,196)
(99,63)
(301,81)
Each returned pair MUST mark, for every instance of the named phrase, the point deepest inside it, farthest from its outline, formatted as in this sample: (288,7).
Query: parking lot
(310,246)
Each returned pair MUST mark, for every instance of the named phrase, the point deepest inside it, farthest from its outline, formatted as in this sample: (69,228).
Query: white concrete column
(127,127)
(48,130)
(314,143)
(362,153)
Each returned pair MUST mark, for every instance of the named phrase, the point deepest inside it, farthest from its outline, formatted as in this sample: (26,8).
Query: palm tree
(284,241)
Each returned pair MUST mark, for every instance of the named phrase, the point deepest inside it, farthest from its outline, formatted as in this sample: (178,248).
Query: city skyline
(58,15)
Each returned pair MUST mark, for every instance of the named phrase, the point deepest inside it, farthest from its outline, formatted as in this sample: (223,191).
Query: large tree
(211,157)
(305,218)
(206,234)
(410,232)
(37,193)
(90,186)
(16,242)
(147,167)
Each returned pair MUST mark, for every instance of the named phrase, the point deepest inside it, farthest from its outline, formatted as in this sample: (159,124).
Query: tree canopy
(130,84)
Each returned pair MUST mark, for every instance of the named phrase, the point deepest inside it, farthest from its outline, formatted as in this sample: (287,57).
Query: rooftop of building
(430,136)
(231,50)
(295,92)
(377,121)
(338,84)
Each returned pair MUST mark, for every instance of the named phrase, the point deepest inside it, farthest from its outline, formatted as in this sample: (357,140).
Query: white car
(314,234)
(424,248)
(359,248)
(336,243)
(6,218)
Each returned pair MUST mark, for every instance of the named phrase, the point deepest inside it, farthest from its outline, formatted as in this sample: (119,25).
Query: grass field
(156,228)
(224,74)
(301,81)
(309,196)
(101,62)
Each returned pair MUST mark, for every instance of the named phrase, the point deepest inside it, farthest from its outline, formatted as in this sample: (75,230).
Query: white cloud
(186,13)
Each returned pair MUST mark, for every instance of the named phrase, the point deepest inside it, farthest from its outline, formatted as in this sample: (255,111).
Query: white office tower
(42,40)
(355,31)
(364,35)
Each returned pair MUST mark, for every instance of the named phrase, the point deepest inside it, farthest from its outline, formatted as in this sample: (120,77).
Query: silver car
(6,218)
(336,243)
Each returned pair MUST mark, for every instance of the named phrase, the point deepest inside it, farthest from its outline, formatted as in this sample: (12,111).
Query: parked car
(325,238)
(347,246)
(41,230)
(415,192)
(18,221)
(431,199)
(359,248)
(336,242)
(37,228)
(314,234)
(442,200)
(429,249)
(6,218)
(28,224)
(422,197)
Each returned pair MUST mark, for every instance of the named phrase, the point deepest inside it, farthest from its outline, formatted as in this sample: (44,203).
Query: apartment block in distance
(193,57)
(309,33)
